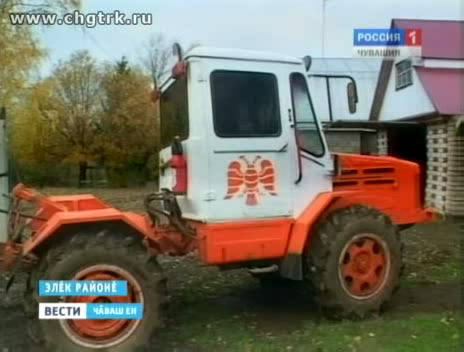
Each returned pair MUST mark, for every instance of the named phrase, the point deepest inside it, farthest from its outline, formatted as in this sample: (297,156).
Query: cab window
(245,104)
(174,119)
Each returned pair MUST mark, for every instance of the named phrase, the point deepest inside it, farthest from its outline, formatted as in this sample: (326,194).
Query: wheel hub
(103,333)
(363,266)
(361,263)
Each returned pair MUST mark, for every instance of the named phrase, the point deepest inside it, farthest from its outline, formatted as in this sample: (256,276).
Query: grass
(420,332)
(228,311)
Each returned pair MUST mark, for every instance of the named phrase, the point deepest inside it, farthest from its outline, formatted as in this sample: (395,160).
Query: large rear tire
(101,255)
(353,262)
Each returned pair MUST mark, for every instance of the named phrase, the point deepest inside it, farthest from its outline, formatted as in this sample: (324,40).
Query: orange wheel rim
(103,333)
(364,266)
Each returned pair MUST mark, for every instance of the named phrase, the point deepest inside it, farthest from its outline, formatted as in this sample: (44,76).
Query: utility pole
(323,27)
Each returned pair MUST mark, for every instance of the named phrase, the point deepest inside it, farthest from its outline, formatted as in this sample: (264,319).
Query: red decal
(250,179)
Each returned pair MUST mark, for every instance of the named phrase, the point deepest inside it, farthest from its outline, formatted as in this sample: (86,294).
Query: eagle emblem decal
(251,179)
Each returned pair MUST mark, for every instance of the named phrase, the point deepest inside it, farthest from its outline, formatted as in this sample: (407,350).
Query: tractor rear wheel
(353,262)
(102,255)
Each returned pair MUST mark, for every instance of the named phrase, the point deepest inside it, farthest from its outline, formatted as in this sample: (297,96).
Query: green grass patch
(421,333)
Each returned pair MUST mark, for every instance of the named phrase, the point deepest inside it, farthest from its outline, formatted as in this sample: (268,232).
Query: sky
(292,27)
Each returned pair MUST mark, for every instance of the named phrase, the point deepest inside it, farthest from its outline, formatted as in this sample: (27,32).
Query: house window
(245,104)
(403,74)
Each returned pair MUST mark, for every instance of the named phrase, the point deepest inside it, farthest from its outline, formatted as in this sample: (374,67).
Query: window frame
(316,121)
(398,74)
(275,83)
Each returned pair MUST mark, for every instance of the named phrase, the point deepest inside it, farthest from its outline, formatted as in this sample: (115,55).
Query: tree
(16,42)
(122,67)
(19,42)
(29,137)
(88,113)
(156,57)
(20,56)
(29,133)
(127,128)
(72,110)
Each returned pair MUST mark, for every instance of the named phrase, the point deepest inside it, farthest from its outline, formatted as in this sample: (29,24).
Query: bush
(41,175)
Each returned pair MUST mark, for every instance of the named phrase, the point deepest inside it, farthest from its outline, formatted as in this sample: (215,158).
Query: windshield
(174,112)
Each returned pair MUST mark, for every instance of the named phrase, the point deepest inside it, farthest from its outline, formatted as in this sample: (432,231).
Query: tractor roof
(240,54)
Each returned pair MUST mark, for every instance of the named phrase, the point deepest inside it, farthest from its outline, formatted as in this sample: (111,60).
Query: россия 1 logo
(393,42)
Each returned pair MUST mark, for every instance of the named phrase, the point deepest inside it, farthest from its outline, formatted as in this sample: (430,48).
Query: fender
(62,218)
(57,211)
(386,202)
(292,265)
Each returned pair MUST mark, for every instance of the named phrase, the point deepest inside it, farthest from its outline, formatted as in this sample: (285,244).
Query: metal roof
(445,88)
(441,39)
(346,65)
(242,54)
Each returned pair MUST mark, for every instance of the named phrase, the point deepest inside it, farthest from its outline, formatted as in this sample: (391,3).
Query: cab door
(249,155)
(313,162)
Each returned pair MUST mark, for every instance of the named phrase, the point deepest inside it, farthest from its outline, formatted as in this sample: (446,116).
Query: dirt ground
(431,284)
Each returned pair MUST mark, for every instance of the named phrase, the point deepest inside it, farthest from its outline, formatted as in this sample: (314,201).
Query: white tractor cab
(244,134)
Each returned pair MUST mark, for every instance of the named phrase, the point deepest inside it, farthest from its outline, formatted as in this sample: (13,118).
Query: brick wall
(455,188)
(382,142)
(437,166)
(445,168)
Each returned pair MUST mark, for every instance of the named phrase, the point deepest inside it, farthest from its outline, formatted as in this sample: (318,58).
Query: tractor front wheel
(353,262)
(102,255)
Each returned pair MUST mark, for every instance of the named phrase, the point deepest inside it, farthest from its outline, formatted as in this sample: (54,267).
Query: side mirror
(352,96)
(177,51)
(179,70)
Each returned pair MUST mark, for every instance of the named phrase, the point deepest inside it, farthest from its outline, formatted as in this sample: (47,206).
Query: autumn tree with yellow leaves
(127,131)
(21,54)
(20,49)
(71,110)
(84,112)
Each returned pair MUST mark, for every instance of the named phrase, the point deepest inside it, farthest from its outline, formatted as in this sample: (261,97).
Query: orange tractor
(246,180)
